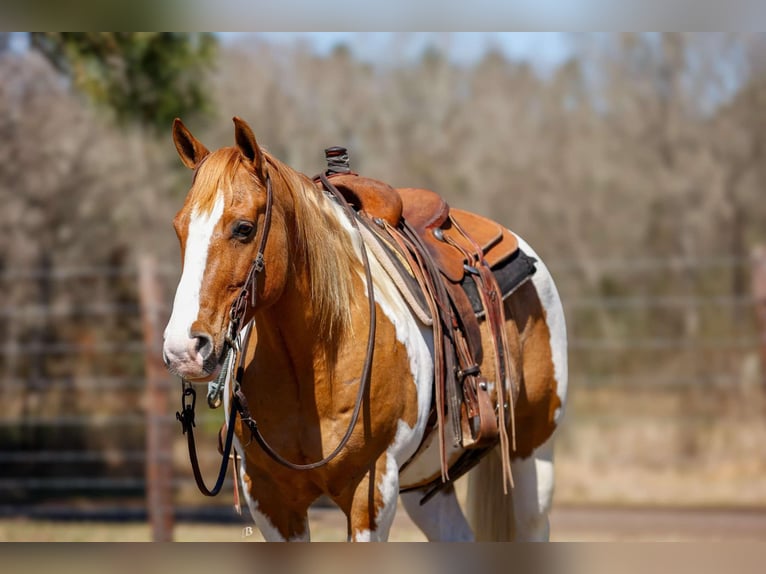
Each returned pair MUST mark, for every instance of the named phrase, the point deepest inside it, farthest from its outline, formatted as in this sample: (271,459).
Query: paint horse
(302,362)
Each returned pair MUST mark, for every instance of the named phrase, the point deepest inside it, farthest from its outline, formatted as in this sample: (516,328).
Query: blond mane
(323,248)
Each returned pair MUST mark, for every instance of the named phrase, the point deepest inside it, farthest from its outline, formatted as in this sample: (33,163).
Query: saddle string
(447,401)
(415,261)
(487,288)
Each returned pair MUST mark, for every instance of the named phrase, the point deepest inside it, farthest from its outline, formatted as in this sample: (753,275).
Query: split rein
(237,345)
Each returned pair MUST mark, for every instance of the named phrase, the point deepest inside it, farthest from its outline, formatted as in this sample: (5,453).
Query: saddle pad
(510,275)
(396,267)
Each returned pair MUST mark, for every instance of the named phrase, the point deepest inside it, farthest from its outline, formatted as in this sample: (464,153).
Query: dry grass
(327,525)
(693,447)
(567,524)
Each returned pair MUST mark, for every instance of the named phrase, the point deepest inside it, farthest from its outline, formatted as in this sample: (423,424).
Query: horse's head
(219,227)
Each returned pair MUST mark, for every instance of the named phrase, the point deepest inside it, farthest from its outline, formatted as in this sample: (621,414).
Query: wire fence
(74,384)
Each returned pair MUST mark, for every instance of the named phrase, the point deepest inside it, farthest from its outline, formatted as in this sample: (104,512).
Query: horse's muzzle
(193,358)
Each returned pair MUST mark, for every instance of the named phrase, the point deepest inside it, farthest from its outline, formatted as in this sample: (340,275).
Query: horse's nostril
(204,344)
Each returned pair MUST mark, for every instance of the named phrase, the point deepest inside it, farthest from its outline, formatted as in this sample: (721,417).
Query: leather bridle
(246,300)
(250,287)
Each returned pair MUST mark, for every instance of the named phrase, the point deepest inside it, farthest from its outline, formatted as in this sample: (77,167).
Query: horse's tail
(489,511)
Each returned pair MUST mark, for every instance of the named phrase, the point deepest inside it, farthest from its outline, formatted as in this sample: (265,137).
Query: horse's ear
(190,149)
(249,148)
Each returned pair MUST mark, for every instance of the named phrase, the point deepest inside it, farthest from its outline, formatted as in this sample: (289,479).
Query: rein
(247,294)
(238,404)
(186,417)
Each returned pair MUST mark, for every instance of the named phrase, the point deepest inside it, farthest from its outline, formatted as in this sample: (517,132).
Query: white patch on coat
(441,518)
(262,521)
(554,318)
(364,536)
(416,339)
(178,341)
(389,492)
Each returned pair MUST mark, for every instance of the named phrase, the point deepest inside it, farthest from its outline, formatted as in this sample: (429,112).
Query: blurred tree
(740,150)
(149,77)
(68,183)
(88,202)
(639,147)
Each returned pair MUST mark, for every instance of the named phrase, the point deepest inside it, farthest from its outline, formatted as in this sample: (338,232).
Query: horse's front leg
(278,519)
(370,505)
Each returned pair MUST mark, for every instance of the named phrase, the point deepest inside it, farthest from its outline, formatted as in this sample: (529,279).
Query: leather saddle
(430,215)
(447,248)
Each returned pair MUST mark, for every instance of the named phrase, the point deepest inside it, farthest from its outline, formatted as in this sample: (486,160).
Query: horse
(301,364)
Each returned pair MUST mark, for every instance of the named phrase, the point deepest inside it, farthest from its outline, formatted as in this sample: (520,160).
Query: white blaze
(186,302)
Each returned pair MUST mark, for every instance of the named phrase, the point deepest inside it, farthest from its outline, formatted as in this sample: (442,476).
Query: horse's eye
(242,229)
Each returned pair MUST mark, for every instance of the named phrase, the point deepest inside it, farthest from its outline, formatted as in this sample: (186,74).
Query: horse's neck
(288,334)
(291,329)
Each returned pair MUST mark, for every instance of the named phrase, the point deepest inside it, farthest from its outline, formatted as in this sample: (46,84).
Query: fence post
(759,294)
(159,460)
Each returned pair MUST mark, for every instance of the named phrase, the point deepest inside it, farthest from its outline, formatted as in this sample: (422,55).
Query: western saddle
(449,253)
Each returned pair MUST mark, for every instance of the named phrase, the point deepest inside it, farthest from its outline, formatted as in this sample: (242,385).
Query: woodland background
(635,167)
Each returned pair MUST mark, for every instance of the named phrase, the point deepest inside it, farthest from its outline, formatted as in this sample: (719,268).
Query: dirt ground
(576,523)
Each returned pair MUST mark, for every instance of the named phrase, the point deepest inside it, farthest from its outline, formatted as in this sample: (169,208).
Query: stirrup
(478,417)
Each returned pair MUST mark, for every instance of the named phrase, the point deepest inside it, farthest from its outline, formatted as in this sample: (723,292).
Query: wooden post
(159,461)
(759,295)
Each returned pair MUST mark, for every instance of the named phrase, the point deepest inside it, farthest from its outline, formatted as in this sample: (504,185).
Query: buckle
(468,372)
(258,263)
(186,415)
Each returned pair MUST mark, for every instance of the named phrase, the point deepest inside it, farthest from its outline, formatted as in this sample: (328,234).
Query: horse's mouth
(212,368)
(209,370)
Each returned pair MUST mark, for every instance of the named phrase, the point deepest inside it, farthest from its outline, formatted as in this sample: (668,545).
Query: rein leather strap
(364,382)
(186,416)
(247,295)
(239,403)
